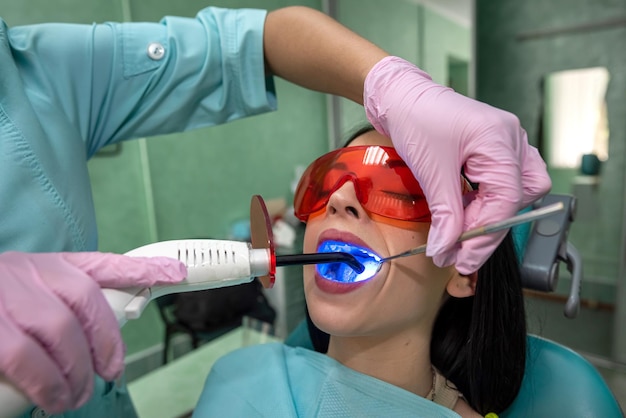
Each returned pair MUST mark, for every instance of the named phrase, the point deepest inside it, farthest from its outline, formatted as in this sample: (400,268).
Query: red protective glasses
(384,184)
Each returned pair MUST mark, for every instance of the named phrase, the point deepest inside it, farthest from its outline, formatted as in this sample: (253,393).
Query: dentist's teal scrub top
(68,90)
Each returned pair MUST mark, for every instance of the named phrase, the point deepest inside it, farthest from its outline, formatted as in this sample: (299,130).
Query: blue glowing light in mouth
(342,272)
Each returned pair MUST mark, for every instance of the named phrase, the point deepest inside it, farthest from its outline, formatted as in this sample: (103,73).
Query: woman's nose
(344,202)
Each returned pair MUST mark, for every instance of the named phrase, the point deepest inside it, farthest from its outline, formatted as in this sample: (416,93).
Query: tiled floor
(183,379)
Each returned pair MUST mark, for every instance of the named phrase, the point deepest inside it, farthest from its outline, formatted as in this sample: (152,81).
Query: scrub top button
(39,413)
(156,51)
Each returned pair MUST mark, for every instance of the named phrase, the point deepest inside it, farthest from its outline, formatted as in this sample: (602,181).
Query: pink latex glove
(437,131)
(56,327)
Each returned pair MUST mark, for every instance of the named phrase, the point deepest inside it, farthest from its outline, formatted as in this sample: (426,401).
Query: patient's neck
(400,359)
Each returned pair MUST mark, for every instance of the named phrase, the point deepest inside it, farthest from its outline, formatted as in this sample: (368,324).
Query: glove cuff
(380,80)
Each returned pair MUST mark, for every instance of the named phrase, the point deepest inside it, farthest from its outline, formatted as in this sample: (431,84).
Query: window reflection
(576,118)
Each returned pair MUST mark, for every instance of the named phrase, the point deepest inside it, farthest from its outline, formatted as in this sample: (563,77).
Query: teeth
(343,273)
(343,247)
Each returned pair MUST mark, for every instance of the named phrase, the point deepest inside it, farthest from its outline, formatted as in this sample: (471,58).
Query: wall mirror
(575,127)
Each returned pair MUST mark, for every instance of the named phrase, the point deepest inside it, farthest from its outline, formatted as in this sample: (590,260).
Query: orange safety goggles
(384,184)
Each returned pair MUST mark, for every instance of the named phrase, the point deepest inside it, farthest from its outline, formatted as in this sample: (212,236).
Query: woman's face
(404,295)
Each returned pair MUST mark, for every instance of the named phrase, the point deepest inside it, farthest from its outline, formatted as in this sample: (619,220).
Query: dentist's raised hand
(56,327)
(437,131)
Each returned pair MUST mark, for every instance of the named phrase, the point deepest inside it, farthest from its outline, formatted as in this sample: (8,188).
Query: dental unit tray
(214,264)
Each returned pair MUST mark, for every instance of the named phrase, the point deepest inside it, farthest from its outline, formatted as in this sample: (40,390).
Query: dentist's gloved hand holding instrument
(437,131)
(60,313)
(56,327)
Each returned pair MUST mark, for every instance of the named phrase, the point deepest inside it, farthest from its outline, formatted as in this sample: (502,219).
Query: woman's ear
(460,286)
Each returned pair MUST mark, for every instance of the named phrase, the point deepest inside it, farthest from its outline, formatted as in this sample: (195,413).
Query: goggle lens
(384,184)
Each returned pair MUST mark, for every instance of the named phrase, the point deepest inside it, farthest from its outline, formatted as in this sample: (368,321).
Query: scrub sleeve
(68,90)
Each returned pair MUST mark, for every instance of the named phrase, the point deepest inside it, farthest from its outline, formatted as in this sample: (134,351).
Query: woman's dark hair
(478,342)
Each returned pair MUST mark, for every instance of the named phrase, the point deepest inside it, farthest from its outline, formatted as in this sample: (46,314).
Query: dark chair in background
(209,314)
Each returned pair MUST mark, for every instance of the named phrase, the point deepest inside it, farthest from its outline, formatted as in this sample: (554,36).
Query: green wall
(518,44)
(371,20)
(198,183)
(511,65)
(408,30)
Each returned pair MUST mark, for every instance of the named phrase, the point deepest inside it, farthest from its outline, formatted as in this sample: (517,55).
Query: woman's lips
(329,286)
(337,235)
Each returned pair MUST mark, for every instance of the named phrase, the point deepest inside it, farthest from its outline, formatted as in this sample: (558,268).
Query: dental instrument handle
(529,216)
(210,264)
(319,258)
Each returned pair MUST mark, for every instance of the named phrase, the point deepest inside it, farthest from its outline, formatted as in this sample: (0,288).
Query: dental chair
(558,382)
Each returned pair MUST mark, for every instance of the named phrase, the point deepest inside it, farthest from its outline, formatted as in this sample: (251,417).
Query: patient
(415,340)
